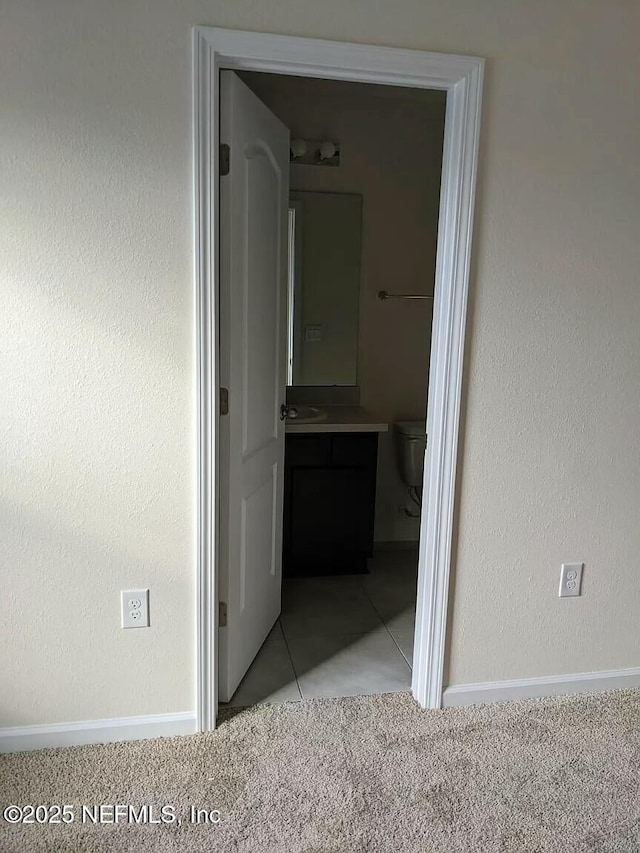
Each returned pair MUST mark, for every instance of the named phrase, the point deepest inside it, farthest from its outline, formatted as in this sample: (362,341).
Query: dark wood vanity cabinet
(329,502)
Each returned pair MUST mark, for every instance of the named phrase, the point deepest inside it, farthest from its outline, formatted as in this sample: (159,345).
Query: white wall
(390,153)
(97,337)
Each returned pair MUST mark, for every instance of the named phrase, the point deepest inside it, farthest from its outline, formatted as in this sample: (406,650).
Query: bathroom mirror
(325,236)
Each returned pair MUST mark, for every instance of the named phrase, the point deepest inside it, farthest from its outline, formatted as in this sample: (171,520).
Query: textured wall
(391,154)
(97,337)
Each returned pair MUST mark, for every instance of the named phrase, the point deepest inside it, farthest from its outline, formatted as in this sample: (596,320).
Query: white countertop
(341,419)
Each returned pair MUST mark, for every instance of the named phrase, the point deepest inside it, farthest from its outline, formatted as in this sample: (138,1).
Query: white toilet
(411,442)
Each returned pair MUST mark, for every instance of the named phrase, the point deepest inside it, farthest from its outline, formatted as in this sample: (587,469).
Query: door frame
(461,77)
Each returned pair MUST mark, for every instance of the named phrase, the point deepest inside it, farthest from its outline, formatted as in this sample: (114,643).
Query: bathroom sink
(306,415)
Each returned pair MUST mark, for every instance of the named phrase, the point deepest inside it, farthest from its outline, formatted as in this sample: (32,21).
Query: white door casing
(254,203)
(461,77)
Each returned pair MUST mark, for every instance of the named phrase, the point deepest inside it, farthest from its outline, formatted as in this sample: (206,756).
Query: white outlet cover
(134,607)
(570,580)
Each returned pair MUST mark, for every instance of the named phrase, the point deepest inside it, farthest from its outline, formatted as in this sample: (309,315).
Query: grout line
(386,627)
(397,644)
(403,654)
(286,643)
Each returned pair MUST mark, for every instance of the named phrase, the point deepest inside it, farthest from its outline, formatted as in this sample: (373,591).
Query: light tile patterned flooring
(339,636)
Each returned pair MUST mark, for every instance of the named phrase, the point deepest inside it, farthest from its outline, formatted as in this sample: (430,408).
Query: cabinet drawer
(356,450)
(308,450)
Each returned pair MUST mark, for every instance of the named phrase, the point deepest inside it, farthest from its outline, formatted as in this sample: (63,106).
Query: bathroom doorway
(361,221)
(461,78)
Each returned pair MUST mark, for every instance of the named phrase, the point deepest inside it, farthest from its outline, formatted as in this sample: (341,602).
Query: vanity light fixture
(314,152)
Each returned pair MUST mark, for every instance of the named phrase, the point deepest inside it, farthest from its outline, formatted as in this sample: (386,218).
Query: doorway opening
(219,471)
(364,166)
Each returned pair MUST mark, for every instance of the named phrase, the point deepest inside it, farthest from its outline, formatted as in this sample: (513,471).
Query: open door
(254,204)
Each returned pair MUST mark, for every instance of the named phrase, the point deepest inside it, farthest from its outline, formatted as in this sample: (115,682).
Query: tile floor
(339,636)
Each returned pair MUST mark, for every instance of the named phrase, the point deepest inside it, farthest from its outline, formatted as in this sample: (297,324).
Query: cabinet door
(329,527)
(330,487)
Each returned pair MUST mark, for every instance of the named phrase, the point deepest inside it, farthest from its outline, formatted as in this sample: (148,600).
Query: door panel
(262,280)
(254,201)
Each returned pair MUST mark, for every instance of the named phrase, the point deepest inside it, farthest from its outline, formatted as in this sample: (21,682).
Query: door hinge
(222,614)
(225,157)
(224,401)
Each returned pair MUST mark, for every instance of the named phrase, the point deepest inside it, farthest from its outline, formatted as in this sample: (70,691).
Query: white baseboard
(551,685)
(21,738)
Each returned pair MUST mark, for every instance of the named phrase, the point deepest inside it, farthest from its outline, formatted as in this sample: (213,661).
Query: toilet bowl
(410,442)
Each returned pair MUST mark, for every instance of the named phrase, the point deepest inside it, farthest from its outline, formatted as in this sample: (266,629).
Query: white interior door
(254,202)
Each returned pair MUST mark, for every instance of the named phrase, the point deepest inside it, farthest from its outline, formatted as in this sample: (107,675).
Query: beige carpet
(371,773)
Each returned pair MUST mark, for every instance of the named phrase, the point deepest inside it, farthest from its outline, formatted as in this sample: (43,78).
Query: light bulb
(298,148)
(327,150)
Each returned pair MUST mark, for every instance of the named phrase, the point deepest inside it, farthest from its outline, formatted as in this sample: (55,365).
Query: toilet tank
(410,442)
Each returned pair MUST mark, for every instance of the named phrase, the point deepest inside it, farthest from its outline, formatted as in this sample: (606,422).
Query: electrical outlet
(313,334)
(570,579)
(135,608)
